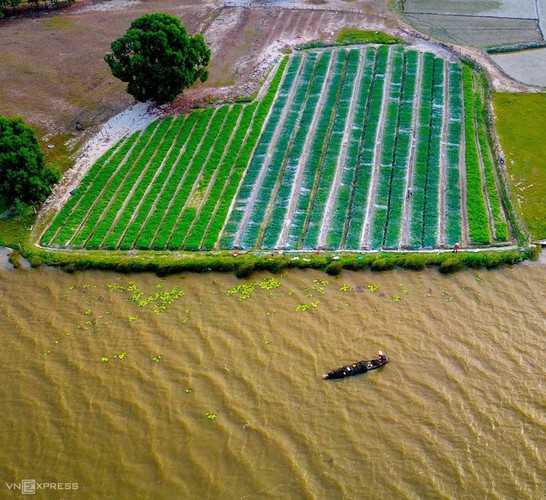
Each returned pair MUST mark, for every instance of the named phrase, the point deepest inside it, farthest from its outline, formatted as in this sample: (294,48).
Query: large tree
(158,59)
(23,174)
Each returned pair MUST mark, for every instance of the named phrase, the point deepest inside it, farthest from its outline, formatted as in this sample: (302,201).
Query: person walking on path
(456,248)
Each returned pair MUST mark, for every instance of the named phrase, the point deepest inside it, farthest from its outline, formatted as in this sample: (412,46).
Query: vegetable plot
(349,148)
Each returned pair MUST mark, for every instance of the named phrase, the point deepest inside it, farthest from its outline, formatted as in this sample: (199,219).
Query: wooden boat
(356,368)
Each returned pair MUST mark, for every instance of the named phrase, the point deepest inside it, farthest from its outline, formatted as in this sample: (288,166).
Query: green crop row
(121,193)
(501,228)
(424,132)
(324,159)
(242,161)
(138,198)
(258,155)
(169,227)
(431,209)
(198,191)
(139,223)
(100,193)
(274,169)
(312,165)
(217,191)
(286,188)
(121,148)
(338,226)
(363,167)
(400,166)
(478,219)
(193,131)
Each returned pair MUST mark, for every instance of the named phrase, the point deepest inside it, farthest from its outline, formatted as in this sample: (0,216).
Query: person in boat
(382,357)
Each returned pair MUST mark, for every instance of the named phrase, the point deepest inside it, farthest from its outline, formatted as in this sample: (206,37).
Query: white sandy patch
(110,5)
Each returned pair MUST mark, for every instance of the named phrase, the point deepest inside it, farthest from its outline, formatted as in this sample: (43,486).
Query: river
(134,386)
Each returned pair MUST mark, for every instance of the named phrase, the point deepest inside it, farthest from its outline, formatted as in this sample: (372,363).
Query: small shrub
(334,268)
(451,265)
(35,261)
(382,264)
(245,270)
(14,259)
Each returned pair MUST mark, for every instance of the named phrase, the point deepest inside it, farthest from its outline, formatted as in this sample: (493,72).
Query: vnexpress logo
(29,486)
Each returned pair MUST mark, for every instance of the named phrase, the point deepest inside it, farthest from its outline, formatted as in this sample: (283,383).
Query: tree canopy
(158,59)
(23,174)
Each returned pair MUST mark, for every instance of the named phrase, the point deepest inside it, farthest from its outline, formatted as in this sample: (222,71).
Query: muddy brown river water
(124,387)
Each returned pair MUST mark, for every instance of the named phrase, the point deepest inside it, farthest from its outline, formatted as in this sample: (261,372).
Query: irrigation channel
(206,386)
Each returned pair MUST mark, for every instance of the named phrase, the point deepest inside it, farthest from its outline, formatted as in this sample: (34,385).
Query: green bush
(334,268)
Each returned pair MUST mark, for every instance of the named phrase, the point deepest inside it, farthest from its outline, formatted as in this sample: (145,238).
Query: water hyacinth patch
(211,415)
(373,287)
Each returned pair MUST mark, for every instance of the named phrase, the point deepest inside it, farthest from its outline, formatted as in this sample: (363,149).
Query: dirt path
(326,221)
(406,219)
(263,171)
(304,156)
(441,237)
(377,155)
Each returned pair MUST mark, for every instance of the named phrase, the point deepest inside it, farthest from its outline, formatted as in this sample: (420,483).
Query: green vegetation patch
(350,36)
(521,121)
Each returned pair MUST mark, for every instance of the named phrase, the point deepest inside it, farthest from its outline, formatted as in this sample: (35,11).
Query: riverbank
(243,264)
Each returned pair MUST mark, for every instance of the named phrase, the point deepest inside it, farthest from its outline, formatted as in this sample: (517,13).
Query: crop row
(364,158)
(259,154)
(500,226)
(274,169)
(453,148)
(478,219)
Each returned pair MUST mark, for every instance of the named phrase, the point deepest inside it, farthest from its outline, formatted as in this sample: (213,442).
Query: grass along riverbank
(520,124)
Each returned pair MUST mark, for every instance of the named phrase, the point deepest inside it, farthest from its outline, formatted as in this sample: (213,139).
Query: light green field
(521,122)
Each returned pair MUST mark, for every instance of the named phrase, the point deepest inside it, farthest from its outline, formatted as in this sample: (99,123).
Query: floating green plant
(269,283)
(211,415)
(396,298)
(373,287)
(267,342)
(345,288)
(105,358)
(244,291)
(133,317)
(479,277)
(302,307)
(188,390)
(157,358)
(121,355)
(88,312)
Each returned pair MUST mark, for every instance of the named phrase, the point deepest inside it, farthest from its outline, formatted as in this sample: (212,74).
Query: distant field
(482,24)
(521,122)
(358,149)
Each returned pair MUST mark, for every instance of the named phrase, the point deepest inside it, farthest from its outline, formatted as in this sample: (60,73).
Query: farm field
(360,148)
(481,24)
(524,149)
